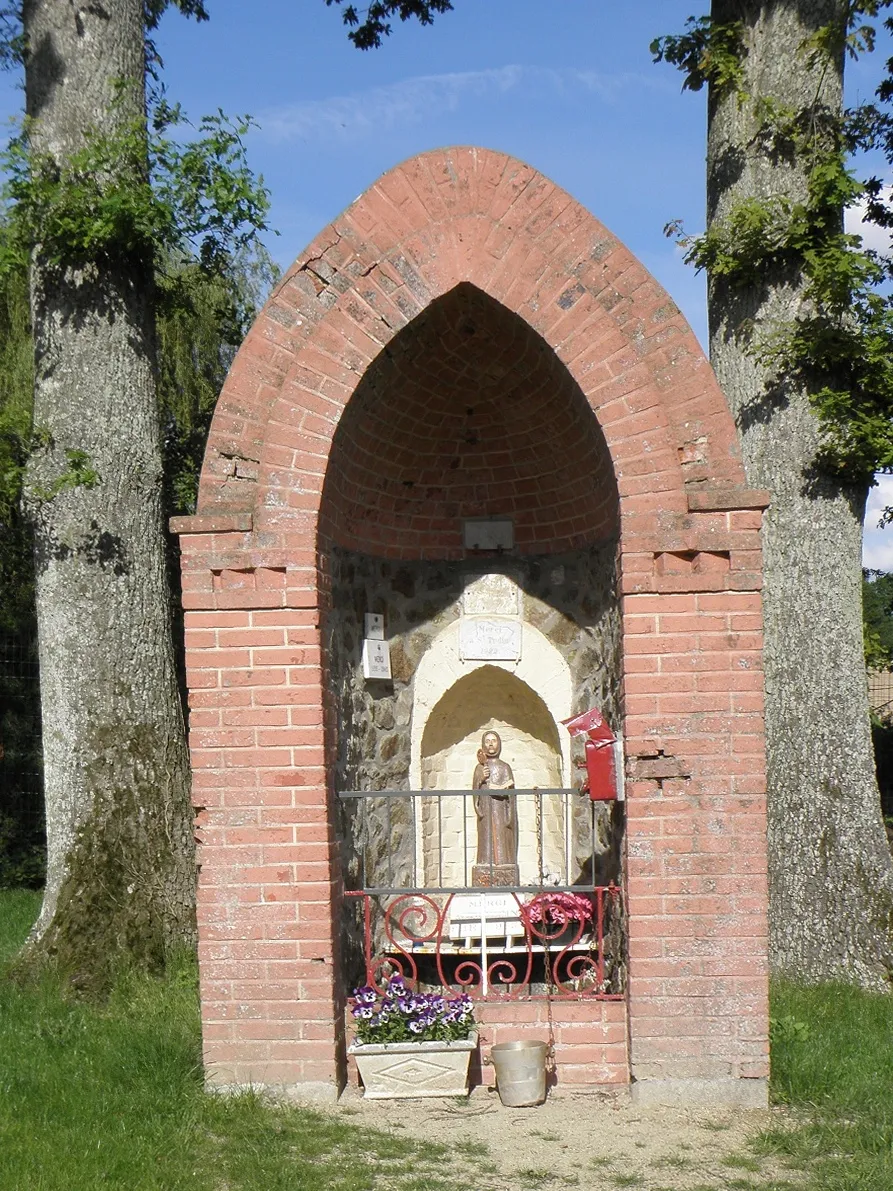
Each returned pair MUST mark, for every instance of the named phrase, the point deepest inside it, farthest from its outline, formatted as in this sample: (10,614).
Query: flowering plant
(400,1015)
(556,909)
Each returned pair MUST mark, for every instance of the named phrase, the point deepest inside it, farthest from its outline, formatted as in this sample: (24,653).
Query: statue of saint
(497,851)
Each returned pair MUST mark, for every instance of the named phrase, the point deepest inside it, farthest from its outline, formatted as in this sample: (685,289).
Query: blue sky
(568,91)
(567,85)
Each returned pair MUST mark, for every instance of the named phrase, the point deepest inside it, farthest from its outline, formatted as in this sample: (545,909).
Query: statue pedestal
(488,876)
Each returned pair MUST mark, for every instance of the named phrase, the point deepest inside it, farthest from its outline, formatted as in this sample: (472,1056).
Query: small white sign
(476,906)
(488,533)
(374,626)
(489,640)
(490,595)
(376,659)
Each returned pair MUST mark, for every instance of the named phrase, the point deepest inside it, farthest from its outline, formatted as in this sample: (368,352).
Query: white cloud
(877,544)
(874,237)
(413,100)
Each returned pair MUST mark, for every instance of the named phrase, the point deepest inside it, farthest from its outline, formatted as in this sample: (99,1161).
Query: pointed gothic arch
(257,582)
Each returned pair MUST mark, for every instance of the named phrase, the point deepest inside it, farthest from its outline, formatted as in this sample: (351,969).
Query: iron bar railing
(409,856)
(428,844)
(509,958)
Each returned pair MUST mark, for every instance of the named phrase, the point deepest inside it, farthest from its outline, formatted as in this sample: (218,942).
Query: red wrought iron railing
(557,932)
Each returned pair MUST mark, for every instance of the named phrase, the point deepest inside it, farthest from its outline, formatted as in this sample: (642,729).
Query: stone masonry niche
(488,698)
(402,734)
(467,414)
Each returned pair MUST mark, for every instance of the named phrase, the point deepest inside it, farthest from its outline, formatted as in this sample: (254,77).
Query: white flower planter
(403,1070)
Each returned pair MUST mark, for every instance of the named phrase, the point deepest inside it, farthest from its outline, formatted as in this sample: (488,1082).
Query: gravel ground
(599,1141)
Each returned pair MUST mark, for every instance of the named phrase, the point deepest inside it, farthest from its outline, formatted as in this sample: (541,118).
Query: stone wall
(571,599)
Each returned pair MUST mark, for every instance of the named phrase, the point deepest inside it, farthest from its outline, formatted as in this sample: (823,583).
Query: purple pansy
(399,1013)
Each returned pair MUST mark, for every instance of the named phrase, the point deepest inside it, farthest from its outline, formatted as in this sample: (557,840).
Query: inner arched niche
(467,413)
(487,699)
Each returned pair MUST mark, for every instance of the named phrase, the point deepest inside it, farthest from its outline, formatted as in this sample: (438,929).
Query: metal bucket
(520,1072)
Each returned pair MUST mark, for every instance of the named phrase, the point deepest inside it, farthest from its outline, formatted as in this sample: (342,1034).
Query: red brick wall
(696,861)
(467,413)
(590,1039)
(255,585)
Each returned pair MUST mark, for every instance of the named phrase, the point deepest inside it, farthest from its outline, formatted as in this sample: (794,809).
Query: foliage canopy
(840,346)
(190,213)
(368,33)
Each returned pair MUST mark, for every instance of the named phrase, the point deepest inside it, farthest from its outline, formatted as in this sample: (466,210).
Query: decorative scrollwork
(380,969)
(581,972)
(547,957)
(468,975)
(402,910)
(502,972)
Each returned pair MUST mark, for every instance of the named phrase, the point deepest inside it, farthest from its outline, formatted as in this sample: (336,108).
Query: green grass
(18,909)
(93,1098)
(675,1161)
(832,1062)
(534,1177)
(741,1162)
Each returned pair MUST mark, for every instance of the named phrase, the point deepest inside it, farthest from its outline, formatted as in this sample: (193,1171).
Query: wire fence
(22,833)
(880,693)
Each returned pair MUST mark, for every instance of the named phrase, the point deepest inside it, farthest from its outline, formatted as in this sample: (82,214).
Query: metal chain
(547,958)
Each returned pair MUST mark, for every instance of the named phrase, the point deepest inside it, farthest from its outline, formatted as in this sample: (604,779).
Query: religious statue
(497,815)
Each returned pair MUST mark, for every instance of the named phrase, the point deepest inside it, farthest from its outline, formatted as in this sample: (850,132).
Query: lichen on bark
(830,870)
(121,869)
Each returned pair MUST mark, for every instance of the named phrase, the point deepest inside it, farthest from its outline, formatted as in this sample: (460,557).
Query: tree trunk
(830,871)
(121,868)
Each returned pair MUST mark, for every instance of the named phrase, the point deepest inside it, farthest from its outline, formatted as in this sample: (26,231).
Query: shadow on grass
(111,1096)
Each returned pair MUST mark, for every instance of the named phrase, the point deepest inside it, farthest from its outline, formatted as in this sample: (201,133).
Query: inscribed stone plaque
(490,595)
(489,640)
(376,659)
(486,533)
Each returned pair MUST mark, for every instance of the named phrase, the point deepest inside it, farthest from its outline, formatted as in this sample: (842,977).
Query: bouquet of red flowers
(556,910)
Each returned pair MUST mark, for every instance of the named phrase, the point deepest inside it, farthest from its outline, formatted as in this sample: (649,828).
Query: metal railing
(415,839)
(409,865)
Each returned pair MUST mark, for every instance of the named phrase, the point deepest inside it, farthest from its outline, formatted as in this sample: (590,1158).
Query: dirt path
(597,1142)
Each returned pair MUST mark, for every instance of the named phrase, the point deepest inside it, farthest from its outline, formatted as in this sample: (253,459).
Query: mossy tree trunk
(831,878)
(119,824)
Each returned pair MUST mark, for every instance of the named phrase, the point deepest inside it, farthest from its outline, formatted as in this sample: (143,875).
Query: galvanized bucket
(520,1072)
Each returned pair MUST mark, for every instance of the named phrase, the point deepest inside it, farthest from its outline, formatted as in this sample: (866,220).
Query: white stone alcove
(454,702)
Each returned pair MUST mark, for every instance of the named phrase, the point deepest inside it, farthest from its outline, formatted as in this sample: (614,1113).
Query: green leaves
(706,53)
(369,33)
(136,193)
(98,203)
(754,232)
(153,10)
(840,348)
(201,319)
(208,197)
(194,209)
(877,619)
(788,1029)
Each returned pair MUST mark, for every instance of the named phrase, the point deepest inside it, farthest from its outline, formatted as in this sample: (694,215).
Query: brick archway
(479,224)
